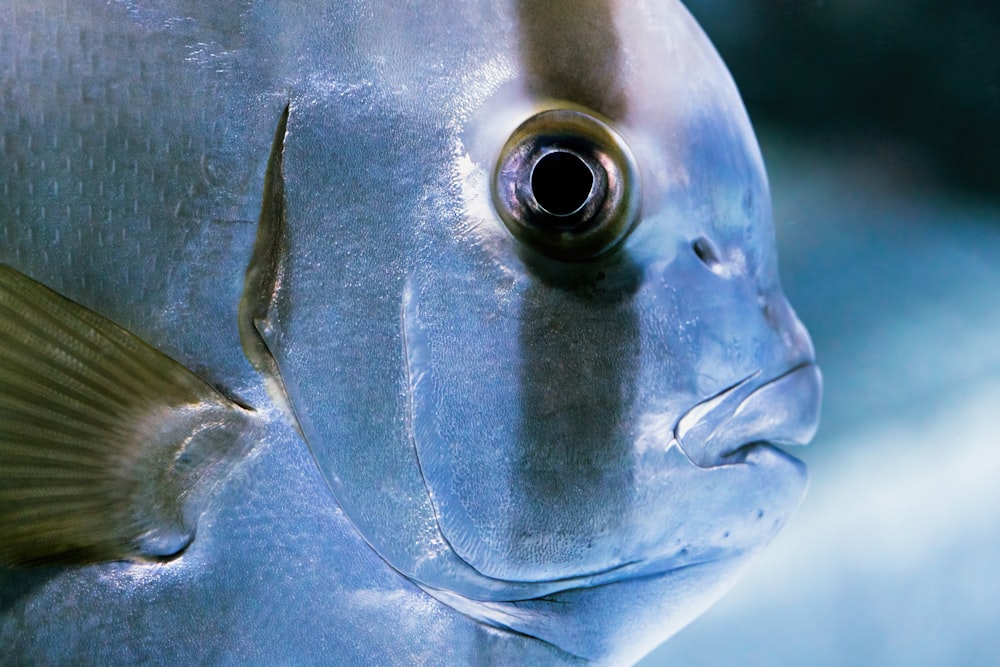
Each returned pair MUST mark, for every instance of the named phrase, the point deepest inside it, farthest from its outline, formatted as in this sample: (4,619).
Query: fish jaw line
(725,428)
(543,617)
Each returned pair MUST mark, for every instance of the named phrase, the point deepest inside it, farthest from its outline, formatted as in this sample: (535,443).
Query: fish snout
(782,410)
(786,325)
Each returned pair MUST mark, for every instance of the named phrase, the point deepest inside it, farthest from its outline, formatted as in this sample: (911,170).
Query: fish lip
(724,428)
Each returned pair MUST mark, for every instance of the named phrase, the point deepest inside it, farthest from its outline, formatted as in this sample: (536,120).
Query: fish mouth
(728,426)
(742,424)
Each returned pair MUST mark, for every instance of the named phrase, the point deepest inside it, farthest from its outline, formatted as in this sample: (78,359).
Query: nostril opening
(705,251)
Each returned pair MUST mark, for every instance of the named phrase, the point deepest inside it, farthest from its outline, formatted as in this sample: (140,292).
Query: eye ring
(566,185)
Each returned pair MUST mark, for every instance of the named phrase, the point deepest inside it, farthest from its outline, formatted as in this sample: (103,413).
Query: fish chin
(618,621)
(620,614)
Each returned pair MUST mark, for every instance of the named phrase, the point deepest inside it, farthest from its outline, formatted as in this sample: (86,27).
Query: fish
(364,332)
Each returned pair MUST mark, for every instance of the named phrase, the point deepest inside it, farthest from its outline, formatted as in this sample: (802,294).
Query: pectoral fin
(103,439)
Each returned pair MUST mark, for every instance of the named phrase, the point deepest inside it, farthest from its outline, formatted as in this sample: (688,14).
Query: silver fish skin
(457,440)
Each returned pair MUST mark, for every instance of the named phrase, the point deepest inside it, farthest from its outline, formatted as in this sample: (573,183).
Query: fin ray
(35,338)
(106,444)
(50,330)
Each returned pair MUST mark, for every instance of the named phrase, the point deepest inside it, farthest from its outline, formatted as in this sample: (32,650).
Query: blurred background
(879,124)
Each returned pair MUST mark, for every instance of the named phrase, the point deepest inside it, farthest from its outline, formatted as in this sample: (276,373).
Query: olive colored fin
(103,439)
(266,274)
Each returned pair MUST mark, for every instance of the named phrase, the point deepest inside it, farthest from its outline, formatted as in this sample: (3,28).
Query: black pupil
(561,183)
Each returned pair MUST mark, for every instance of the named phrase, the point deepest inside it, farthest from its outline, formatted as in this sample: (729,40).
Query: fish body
(482,305)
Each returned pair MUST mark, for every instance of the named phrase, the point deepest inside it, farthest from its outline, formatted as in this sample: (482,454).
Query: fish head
(530,321)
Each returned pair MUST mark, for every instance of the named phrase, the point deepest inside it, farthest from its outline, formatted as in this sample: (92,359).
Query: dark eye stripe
(571,51)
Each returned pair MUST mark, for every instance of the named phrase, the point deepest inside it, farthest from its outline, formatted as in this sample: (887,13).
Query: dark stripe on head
(571,51)
(580,337)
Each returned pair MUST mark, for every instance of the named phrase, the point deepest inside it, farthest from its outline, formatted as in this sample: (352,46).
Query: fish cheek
(577,382)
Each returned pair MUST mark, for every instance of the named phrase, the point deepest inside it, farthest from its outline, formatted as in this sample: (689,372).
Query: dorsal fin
(103,439)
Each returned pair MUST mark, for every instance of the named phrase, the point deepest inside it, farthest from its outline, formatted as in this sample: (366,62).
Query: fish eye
(562,182)
(566,185)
